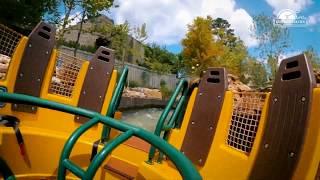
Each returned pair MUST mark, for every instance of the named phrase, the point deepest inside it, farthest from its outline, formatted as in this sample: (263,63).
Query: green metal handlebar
(114,103)
(183,164)
(182,88)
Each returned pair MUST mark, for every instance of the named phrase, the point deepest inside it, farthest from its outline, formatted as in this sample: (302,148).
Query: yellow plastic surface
(310,156)
(223,162)
(177,135)
(46,132)
(158,171)
(14,64)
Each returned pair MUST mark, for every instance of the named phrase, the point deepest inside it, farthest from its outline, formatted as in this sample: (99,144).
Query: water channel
(144,118)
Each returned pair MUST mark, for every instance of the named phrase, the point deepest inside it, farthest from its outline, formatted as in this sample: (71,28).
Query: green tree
(313,56)
(159,59)
(211,42)
(223,33)
(234,50)
(139,34)
(232,57)
(120,40)
(24,15)
(91,8)
(273,40)
(68,6)
(117,36)
(253,72)
(199,48)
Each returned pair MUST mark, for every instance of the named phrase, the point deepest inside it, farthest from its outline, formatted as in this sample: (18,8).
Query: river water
(144,118)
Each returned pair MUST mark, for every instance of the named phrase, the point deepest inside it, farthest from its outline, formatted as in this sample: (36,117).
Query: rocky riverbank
(143,93)
(141,98)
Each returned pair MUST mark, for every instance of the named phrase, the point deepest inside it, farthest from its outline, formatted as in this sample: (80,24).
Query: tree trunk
(79,34)
(65,22)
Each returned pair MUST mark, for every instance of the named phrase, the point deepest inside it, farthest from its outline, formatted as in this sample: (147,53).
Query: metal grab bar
(114,103)
(65,163)
(183,164)
(182,88)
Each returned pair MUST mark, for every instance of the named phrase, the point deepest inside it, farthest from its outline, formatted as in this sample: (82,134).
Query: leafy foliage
(159,59)
(140,33)
(165,92)
(24,15)
(87,8)
(272,38)
(254,73)
(232,58)
(134,84)
(313,56)
(223,33)
(199,47)
(212,43)
(91,8)
(115,37)
(119,39)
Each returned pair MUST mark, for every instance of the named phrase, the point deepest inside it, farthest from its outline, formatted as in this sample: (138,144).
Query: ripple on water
(144,118)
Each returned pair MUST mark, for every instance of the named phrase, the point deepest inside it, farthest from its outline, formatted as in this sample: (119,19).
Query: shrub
(165,92)
(163,83)
(133,84)
(145,78)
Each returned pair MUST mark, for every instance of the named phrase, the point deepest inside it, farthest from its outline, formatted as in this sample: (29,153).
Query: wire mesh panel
(247,108)
(65,75)
(9,39)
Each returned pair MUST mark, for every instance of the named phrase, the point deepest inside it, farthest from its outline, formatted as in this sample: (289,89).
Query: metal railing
(182,90)
(183,164)
(114,103)
(246,114)
(9,40)
(65,74)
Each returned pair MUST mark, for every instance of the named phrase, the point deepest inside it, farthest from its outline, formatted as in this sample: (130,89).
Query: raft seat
(133,142)
(197,139)
(205,115)
(121,168)
(138,143)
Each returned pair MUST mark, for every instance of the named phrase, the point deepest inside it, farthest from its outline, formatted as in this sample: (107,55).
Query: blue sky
(167,19)
(300,37)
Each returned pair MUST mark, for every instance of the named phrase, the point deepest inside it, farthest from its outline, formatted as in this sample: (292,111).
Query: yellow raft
(59,121)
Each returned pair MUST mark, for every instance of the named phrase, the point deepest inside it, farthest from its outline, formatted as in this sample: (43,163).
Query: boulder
(129,93)
(235,85)
(153,93)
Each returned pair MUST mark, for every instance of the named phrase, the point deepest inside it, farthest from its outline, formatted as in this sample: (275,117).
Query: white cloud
(314,19)
(167,19)
(288,54)
(73,19)
(296,5)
